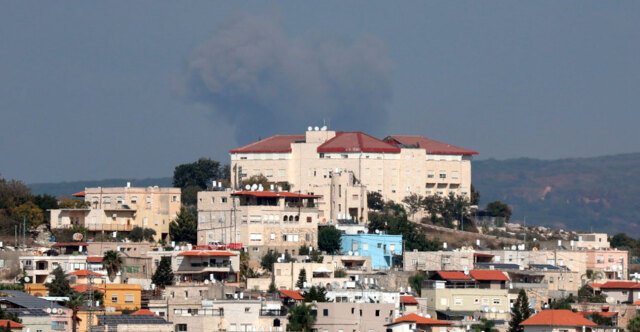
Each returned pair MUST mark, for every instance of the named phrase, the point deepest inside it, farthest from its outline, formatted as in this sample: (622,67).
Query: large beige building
(396,166)
(120,209)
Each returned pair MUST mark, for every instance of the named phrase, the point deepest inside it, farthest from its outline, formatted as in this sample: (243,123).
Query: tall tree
(413,203)
(519,313)
(475,196)
(318,294)
(112,262)
(148,234)
(433,205)
(302,278)
(46,202)
(73,203)
(13,193)
(29,211)
(75,302)
(374,200)
(300,318)
(200,173)
(634,324)
(393,220)
(59,286)
(268,259)
(164,273)
(185,227)
(329,239)
(416,281)
(136,234)
(499,209)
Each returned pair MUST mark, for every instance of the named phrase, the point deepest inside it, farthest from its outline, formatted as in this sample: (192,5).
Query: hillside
(60,189)
(599,193)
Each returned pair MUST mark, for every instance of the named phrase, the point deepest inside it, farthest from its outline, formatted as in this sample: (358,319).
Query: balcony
(108,227)
(273,313)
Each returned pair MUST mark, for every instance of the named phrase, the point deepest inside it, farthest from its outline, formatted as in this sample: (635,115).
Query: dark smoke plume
(263,82)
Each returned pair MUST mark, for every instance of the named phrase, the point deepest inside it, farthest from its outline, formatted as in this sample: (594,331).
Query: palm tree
(112,262)
(74,303)
(300,318)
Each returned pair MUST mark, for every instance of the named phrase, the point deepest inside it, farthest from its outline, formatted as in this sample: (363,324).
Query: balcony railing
(273,313)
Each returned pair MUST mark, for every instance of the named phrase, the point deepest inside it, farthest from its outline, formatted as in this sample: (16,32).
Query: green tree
(393,220)
(634,324)
(300,318)
(136,234)
(374,200)
(302,278)
(272,288)
(245,270)
(46,202)
(484,326)
(601,320)
(59,286)
(75,302)
(623,241)
(433,204)
(413,203)
(256,179)
(499,209)
(417,280)
(585,293)
(164,273)
(31,212)
(475,196)
(316,257)
(563,303)
(72,203)
(185,227)
(304,250)
(519,313)
(148,234)
(112,262)
(339,273)
(329,239)
(200,173)
(454,207)
(13,193)
(318,294)
(268,259)
(190,195)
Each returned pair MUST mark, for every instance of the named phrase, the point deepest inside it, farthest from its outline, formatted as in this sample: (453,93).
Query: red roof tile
(422,320)
(488,275)
(94,259)
(356,142)
(477,254)
(431,146)
(273,194)
(557,318)
(86,288)
(407,299)
(595,285)
(277,143)
(607,314)
(10,323)
(453,275)
(78,194)
(144,312)
(69,244)
(296,295)
(206,253)
(620,285)
(85,273)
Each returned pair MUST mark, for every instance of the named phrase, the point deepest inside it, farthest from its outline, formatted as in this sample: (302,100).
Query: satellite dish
(206,281)
(248,187)
(27,279)
(48,310)
(316,128)
(309,128)
(323,128)
(254,187)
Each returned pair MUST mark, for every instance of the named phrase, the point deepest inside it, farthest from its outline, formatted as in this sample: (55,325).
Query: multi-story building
(286,276)
(120,209)
(336,317)
(382,248)
(260,220)
(396,166)
(438,260)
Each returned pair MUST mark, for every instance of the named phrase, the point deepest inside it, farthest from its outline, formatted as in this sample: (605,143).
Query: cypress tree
(59,286)
(519,313)
(302,278)
(164,273)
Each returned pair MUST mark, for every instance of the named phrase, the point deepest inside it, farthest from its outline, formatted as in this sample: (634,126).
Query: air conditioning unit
(114,216)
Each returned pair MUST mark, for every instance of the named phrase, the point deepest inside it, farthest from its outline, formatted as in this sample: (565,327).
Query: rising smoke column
(264,82)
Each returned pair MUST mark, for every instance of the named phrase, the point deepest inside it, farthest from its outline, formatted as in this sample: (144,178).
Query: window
(114,298)
(213,200)
(273,236)
(106,200)
(443,174)
(255,237)
(174,198)
(496,301)
(457,301)
(128,298)
(377,313)
(476,301)
(367,171)
(268,173)
(148,199)
(485,301)
(431,174)
(134,199)
(247,309)
(325,312)
(282,173)
(223,199)
(181,327)
(354,246)
(392,247)
(27,263)
(365,246)
(454,174)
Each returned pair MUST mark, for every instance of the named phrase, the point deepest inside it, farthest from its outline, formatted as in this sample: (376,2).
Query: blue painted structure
(381,248)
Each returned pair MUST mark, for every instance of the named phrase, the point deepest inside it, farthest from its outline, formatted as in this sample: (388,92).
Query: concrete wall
(438,260)
(334,317)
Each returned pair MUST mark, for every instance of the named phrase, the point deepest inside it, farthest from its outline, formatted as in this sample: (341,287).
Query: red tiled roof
(144,312)
(431,146)
(206,253)
(422,320)
(620,285)
(291,294)
(356,142)
(488,275)
(273,194)
(595,285)
(85,273)
(557,318)
(477,254)
(94,259)
(277,143)
(86,288)
(78,194)
(69,244)
(453,275)
(407,299)
(10,323)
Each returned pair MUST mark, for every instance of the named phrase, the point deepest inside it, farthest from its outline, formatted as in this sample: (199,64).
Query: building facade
(382,248)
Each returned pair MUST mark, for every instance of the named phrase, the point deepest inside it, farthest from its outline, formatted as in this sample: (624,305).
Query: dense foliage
(197,176)
(59,286)
(374,200)
(519,313)
(300,318)
(416,280)
(164,273)
(185,227)
(318,294)
(139,234)
(393,220)
(329,239)
(112,262)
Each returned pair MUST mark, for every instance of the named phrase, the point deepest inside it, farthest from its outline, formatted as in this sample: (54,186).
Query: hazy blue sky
(93,90)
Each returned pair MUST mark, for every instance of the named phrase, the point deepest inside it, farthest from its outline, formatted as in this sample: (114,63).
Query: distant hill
(61,189)
(599,193)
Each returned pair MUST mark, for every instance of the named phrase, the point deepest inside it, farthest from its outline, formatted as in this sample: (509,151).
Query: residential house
(32,319)
(286,276)
(558,321)
(438,260)
(382,248)
(396,166)
(13,326)
(120,209)
(60,316)
(335,317)
(132,323)
(618,291)
(415,322)
(122,296)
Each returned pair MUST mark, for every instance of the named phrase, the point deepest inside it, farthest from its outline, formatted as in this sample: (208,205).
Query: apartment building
(395,166)
(260,220)
(438,260)
(286,276)
(382,248)
(120,209)
(336,317)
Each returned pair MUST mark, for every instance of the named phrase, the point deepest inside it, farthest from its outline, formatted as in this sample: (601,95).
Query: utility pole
(90,318)
(24,231)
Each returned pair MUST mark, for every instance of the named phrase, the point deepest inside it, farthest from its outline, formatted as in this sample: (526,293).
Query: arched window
(285,218)
(297,218)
